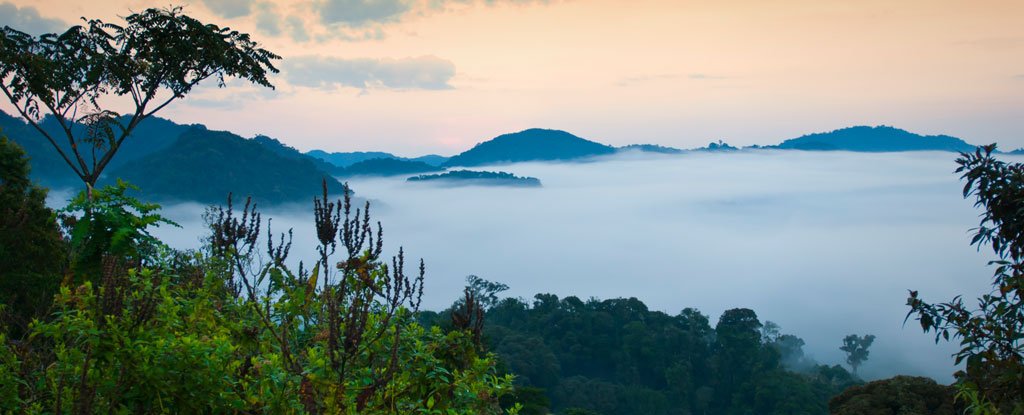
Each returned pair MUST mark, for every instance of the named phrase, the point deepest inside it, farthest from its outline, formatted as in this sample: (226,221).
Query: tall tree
(31,247)
(856,348)
(992,333)
(156,57)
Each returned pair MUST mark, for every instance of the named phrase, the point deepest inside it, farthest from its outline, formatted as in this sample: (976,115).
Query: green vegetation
(991,335)
(32,249)
(482,178)
(900,395)
(617,357)
(139,328)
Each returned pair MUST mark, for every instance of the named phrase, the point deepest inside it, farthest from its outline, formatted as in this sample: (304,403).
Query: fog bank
(825,244)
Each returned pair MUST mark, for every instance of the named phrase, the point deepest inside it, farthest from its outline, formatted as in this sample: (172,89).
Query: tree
(158,56)
(991,335)
(856,348)
(31,247)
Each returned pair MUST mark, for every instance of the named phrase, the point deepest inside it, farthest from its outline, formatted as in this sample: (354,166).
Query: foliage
(230,329)
(991,335)
(898,395)
(157,56)
(32,250)
(617,357)
(856,348)
(110,223)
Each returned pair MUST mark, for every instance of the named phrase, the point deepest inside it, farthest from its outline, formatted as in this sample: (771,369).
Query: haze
(825,244)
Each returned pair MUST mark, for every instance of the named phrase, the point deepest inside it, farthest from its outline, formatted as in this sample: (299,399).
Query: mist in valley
(824,244)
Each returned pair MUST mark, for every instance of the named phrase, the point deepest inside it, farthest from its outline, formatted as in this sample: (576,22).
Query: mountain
(204,166)
(650,148)
(431,159)
(388,167)
(530,145)
(874,139)
(477,178)
(350,158)
(290,152)
(150,136)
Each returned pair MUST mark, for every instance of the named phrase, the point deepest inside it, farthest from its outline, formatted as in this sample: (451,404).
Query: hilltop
(530,145)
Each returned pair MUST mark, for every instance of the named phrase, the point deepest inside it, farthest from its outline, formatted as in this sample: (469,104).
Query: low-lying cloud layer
(824,244)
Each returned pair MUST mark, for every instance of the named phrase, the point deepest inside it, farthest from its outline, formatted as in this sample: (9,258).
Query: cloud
(297,29)
(268,21)
(356,13)
(1019,77)
(632,80)
(230,9)
(705,76)
(425,72)
(28,20)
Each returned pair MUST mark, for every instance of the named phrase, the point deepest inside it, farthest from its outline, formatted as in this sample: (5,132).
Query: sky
(438,76)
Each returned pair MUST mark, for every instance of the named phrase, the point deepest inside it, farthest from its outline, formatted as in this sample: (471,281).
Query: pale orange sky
(437,76)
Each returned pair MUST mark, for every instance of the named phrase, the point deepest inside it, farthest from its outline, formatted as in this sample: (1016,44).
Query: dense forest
(617,357)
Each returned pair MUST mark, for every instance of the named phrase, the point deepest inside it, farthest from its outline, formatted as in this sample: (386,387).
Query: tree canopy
(155,57)
(992,333)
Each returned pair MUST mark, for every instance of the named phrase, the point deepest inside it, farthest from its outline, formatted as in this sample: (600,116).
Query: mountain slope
(530,145)
(287,151)
(151,135)
(874,139)
(342,159)
(204,166)
(388,167)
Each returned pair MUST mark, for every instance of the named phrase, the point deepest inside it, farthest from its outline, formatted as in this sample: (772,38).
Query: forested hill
(617,357)
(874,139)
(151,135)
(204,166)
(530,145)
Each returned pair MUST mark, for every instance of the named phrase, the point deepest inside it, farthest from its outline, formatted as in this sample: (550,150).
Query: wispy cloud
(357,13)
(423,73)
(28,20)
(705,76)
(230,9)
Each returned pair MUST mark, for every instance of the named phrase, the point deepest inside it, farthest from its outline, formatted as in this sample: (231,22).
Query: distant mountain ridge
(345,159)
(874,139)
(204,166)
(388,167)
(534,144)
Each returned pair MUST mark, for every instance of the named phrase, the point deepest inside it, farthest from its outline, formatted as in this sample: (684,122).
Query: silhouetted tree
(158,56)
(856,348)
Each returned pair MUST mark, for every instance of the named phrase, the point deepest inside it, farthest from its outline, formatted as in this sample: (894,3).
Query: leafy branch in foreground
(992,334)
